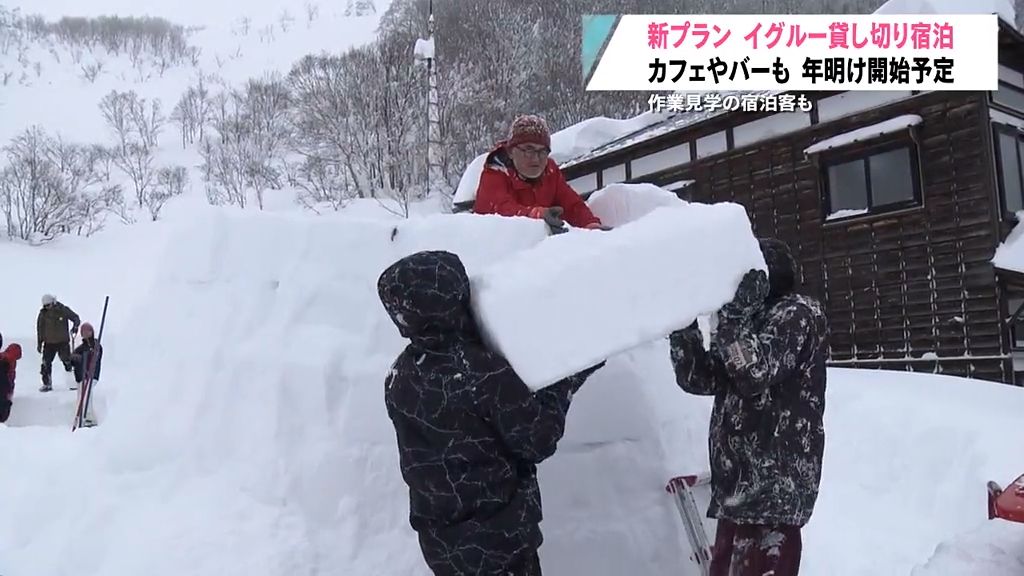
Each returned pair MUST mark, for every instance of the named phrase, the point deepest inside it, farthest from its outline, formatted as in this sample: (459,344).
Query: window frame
(999,128)
(863,154)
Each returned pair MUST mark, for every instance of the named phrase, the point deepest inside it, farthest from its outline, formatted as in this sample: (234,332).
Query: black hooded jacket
(767,434)
(469,431)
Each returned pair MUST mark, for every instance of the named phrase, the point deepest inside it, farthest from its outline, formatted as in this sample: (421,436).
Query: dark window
(1016,324)
(1010,159)
(1009,96)
(879,180)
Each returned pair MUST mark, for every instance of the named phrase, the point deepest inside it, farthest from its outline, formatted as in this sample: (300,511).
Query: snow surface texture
(1010,254)
(579,298)
(244,429)
(617,204)
(865,133)
(1004,8)
(470,181)
(248,433)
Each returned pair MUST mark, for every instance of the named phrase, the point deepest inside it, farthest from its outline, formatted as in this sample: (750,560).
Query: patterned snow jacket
(469,431)
(767,434)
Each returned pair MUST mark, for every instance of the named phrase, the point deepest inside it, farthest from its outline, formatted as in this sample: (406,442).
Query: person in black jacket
(82,357)
(470,433)
(766,370)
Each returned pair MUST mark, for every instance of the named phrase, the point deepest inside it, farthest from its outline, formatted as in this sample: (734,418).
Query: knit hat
(48,299)
(528,129)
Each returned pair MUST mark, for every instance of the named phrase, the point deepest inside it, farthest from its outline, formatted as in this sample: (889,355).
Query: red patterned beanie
(529,129)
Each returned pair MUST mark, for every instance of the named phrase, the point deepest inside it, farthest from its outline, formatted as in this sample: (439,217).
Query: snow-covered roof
(582,137)
(672,121)
(1010,254)
(1004,8)
(865,133)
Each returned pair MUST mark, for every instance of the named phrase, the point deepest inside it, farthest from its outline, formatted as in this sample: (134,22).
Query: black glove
(74,329)
(553,218)
(39,347)
(750,297)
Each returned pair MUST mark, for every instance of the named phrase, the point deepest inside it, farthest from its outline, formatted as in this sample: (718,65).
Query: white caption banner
(749,52)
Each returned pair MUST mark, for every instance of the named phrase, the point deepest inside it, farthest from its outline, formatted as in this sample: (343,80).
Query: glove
(39,347)
(74,329)
(750,297)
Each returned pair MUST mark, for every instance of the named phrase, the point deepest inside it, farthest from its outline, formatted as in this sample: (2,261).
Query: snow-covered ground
(243,428)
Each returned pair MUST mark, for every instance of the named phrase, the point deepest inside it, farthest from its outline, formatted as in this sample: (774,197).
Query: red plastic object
(1007,503)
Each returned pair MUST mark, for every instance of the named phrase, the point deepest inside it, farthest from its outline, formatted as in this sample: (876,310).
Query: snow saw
(1006,503)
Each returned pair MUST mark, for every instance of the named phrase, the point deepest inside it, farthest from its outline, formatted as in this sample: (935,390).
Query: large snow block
(576,299)
(618,204)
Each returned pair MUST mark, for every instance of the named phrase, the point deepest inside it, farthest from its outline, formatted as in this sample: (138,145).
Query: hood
(426,294)
(782,267)
(13,352)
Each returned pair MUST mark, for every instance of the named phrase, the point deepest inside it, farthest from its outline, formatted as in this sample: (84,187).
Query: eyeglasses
(535,152)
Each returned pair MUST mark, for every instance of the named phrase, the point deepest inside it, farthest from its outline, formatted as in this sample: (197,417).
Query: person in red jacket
(519,179)
(8,366)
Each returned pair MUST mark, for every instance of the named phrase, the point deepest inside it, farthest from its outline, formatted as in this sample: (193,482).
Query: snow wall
(243,429)
(255,405)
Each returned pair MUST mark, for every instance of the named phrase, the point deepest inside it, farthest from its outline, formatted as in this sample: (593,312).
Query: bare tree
(46,187)
(136,162)
(170,182)
(312,12)
(285,20)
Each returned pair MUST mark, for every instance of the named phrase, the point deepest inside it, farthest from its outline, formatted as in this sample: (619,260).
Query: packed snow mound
(577,299)
(617,204)
(470,181)
(995,548)
(1010,253)
(255,395)
(1004,8)
(907,457)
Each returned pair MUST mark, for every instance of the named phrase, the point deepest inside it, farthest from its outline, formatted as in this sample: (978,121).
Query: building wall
(900,287)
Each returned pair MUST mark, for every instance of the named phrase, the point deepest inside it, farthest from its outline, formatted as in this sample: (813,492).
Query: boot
(47,385)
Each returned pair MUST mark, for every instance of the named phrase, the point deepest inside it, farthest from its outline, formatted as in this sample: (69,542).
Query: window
(1009,96)
(1016,323)
(885,179)
(1010,165)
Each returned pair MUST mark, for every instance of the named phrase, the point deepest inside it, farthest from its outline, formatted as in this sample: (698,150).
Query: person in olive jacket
(53,338)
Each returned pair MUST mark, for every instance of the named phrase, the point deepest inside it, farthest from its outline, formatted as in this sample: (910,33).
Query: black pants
(51,349)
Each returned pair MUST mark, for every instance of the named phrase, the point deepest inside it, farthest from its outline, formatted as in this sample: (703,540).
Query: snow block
(618,204)
(576,299)
(470,181)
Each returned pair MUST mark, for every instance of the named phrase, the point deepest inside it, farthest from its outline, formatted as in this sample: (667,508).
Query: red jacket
(9,357)
(502,191)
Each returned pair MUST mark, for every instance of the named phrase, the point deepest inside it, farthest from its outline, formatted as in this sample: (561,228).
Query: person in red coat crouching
(8,371)
(520,179)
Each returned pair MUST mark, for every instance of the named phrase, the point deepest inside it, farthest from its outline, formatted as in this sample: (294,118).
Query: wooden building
(894,202)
